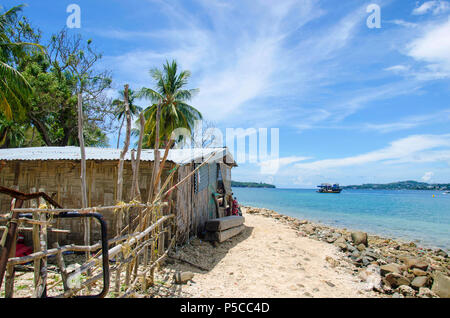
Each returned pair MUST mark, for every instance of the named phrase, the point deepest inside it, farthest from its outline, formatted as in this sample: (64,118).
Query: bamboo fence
(145,232)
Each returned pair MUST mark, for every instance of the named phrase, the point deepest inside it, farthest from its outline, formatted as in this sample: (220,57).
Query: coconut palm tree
(120,108)
(14,88)
(173,98)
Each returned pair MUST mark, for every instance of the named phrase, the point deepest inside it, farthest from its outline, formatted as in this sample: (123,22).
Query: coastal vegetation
(402,185)
(120,111)
(172,97)
(42,79)
(238,184)
(40,83)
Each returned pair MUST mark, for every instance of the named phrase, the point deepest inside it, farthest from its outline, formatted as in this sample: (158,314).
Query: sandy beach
(280,256)
(277,256)
(268,259)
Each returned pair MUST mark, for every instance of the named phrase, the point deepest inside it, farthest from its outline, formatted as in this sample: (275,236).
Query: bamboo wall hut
(56,171)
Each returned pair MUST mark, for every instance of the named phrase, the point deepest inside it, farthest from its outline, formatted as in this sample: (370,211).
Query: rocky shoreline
(392,268)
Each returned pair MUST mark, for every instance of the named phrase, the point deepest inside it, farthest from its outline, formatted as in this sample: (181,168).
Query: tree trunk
(82,150)
(120,132)
(156,156)
(125,147)
(42,130)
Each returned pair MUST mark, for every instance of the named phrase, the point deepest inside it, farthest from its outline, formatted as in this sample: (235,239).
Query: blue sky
(353,104)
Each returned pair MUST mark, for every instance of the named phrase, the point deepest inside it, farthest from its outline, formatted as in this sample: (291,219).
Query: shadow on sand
(198,257)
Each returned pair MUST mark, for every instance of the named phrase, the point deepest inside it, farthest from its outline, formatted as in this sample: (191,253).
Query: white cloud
(433,48)
(272,166)
(398,68)
(402,150)
(435,7)
(410,122)
(427,176)
(240,53)
(403,23)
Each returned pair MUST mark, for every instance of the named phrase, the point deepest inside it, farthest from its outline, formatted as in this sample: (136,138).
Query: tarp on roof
(179,156)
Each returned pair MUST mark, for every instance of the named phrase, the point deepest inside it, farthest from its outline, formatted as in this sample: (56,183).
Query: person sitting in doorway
(236,210)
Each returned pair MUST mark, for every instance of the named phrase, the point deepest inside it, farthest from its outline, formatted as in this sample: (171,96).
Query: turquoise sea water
(406,214)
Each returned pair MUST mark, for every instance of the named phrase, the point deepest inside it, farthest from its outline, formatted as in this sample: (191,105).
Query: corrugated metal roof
(180,156)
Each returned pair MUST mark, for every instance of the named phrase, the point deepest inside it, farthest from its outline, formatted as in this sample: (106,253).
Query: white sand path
(268,259)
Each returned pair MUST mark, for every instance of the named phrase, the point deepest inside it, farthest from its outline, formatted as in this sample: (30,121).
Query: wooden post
(117,282)
(136,192)
(156,155)
(62,267)
(9,279)
(36,243)
(82,150)
(84,201)
(8,245)
(133,181)
(41,286)
(120,181)
(10,269)
(125,147)
(152,258)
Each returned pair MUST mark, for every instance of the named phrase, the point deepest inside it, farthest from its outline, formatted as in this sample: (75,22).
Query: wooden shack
(56,171)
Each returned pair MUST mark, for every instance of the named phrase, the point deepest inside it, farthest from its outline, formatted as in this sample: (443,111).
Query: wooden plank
(224,235)
(224,223)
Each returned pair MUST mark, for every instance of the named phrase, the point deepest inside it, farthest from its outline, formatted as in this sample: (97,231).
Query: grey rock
(330,284)
(370,254)
(419,281)
(395,280)
(419,272)
(341,240)
(390,268)
(361,247)
(371,277)
(331,240)
(366,261)
(342,246)
(416,263)
(359,238)
(442,253)
(426,293)
(406,291)
(332,261)
(183,277)
(309,229)
(441,285)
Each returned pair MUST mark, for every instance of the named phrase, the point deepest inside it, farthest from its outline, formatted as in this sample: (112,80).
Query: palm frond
(14,78)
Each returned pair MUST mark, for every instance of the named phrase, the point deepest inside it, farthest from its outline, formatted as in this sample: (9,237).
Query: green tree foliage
(120,112)
(175,111)
(50,80)
(14,88)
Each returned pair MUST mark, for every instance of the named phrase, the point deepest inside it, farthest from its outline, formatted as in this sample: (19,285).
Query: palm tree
(14,88)
(12,134)
(173,98)
(120,108)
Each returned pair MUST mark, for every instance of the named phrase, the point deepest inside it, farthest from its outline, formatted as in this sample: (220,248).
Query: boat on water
(328,188)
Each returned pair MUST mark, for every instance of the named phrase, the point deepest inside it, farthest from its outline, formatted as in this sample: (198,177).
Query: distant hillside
(402,185)
(238,184)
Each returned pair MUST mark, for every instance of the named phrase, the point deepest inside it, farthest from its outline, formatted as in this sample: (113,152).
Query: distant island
(402,185)
(238,184)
